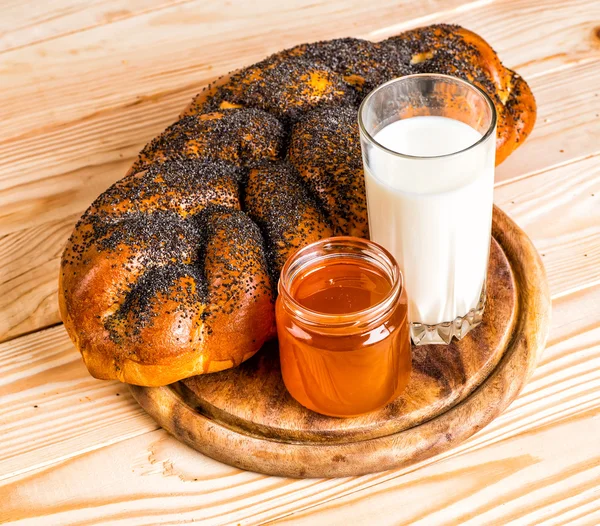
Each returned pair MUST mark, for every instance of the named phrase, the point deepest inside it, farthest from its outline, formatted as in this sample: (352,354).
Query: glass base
(442,333)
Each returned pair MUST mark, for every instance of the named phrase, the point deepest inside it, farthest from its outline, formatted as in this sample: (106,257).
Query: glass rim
(477,89)
(361,317)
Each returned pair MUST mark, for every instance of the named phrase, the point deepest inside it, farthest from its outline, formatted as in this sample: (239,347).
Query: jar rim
(301,260)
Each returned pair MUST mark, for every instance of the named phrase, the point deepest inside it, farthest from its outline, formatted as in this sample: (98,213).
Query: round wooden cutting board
(245,417)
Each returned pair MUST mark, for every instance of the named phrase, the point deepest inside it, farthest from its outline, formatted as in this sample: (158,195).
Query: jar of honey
(342,327)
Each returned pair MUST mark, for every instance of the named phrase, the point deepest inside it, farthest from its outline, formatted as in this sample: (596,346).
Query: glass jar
(342,327)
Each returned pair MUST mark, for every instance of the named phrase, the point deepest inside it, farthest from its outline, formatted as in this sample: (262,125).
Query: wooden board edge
(392,451)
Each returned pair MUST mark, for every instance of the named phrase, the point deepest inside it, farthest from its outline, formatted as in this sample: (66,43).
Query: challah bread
(284,87)
(440,48)
(171,272)
(363,64)
(325,149)
(155,273)
(456,51)
(185,186)
(240,136)
(288,214)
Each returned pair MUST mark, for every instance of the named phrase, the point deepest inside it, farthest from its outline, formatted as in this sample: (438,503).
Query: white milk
(434,215)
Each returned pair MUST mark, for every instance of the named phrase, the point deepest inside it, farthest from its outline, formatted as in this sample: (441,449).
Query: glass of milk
(428,144)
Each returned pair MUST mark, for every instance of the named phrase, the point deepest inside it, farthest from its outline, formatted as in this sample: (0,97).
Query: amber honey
(342,327)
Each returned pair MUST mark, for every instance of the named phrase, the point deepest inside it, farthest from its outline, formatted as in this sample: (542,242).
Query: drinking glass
(432,210)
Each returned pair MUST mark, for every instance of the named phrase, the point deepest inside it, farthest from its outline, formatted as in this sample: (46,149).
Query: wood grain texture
(46,390)
(567,126)
(26,23)
(498,489)
(29,263)
(300,450)
(536,37)
(561,210)
(160,52)
(154,477)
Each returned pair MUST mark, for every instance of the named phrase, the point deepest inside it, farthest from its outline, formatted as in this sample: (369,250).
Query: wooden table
(86,84)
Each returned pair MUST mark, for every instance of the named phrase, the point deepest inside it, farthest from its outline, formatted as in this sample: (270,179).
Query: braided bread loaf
(172,271)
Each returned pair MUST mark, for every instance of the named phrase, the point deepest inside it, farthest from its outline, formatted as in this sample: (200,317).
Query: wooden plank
(533,37)
(515,480)
(30,260)
(157,52)
(87,131)
(560,210)
(546,436)
(46,390)
(26,23)
(567,126)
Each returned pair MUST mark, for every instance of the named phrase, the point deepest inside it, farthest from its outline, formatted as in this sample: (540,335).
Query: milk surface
(433,214)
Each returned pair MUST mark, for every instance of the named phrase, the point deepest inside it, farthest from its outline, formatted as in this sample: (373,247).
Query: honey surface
(344,372)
